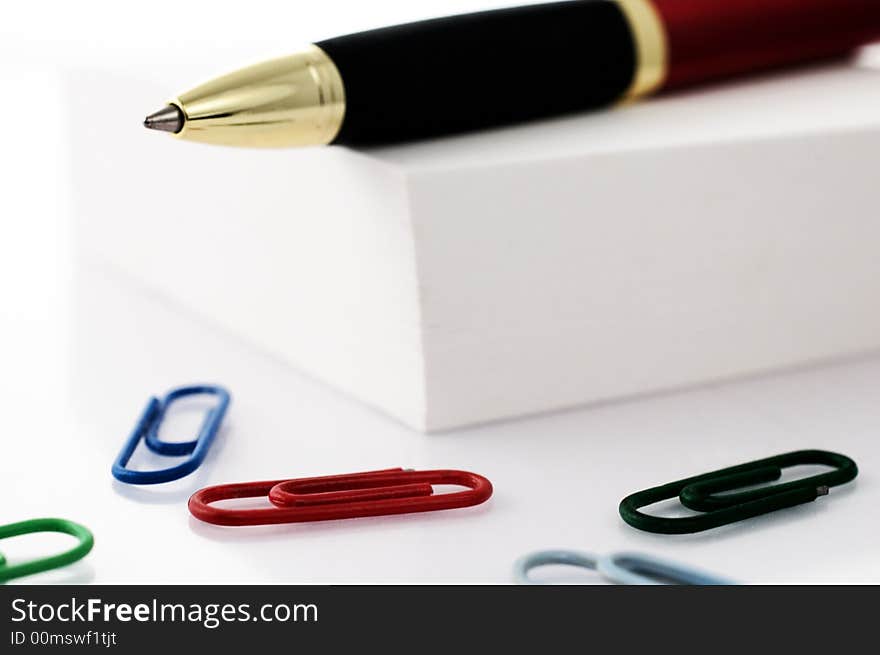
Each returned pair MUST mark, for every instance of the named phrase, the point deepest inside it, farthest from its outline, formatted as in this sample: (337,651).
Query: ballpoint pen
(504,66)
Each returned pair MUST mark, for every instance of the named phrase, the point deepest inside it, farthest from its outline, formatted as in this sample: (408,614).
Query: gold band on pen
(652,49)
(298,100)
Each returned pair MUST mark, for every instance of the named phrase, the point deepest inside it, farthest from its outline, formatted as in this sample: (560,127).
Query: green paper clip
(82,534)
(700,493)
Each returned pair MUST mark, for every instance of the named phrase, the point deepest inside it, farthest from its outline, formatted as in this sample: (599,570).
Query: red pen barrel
(710,39)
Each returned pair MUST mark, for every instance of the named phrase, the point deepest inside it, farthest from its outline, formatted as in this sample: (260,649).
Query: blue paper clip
(619,568)
(147,428)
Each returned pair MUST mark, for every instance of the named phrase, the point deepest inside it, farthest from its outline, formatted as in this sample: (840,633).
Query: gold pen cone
(298,100)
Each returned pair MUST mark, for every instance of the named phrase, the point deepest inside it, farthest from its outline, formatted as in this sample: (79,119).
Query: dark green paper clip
(699,493)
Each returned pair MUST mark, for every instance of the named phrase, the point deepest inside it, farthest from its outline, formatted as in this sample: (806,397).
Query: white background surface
(82,349)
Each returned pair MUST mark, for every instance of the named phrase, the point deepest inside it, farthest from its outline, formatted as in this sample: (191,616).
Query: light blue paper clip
(524,564)
(637,569)
(619,568)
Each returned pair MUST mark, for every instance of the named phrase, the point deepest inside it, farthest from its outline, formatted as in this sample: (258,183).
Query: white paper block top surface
(689,238)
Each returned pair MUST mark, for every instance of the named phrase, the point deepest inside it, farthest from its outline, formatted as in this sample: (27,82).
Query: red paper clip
(375,493)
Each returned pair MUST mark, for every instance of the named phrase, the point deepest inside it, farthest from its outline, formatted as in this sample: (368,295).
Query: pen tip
(167,119)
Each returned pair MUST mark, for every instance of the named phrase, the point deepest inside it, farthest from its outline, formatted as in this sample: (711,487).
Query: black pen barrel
(491,68)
